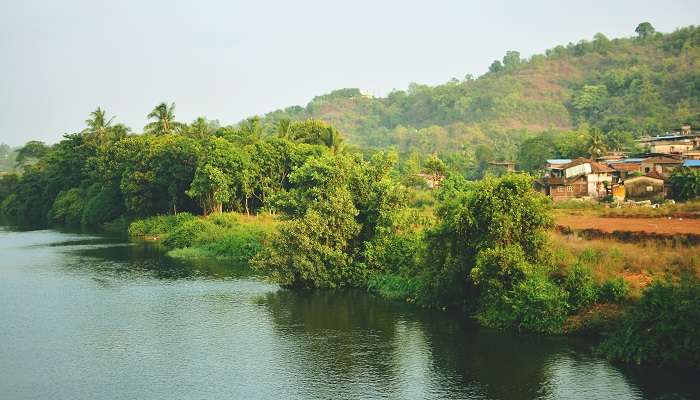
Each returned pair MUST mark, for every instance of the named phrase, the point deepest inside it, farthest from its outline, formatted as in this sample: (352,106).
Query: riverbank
(159,327)
(605,280)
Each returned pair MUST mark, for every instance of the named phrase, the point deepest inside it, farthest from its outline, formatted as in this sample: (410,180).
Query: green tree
(596,144)
(511,59)
(219,176)
(644,30)
(313,249)
(685,184)
(32,150)
(164,123)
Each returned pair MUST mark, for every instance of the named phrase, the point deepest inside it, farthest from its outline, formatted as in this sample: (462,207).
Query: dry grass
(638,263)
(689,209)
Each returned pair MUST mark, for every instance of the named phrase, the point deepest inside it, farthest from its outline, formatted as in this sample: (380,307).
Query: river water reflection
(95,317)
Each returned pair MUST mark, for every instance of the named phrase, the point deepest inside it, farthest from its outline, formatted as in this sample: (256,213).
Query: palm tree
(201,128)
(332,139)
(164,120)
(98,126)
(596,144)
(283,128)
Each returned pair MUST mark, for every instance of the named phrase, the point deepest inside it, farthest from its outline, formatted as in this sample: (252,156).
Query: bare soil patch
(661,226)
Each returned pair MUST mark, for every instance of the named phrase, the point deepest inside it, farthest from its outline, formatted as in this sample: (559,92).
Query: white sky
(227,60)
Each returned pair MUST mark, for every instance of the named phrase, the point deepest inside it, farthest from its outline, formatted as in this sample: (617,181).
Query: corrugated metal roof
(559,161)
(691,163)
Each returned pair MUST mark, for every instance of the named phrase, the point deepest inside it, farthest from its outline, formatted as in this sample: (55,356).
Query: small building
(556,163)
(579,178)
(562,189)
(646,187)
(624,168)
(676,142)
(663,165)
(618,192)
(692,164)
(501,167)
(432,180)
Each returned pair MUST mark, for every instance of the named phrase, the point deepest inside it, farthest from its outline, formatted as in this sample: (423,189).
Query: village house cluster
(619,177)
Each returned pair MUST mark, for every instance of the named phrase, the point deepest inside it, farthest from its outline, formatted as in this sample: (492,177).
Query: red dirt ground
(662,226)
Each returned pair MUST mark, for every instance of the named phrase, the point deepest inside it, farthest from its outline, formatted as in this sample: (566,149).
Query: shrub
(613,290)
(536,304)
(662,328)
(158,225)
(394,287)
(103,205)
(224,220)
(239,244)
(580,287)
(68,207)
(188,232)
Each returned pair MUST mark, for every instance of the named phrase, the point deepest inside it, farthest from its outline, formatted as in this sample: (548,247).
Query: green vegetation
(231,237)
(291,196)
(617,88)
(662,328)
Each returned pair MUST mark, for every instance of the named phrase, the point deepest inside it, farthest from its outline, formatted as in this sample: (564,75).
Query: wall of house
(567,192)
(596,184)
(644,188)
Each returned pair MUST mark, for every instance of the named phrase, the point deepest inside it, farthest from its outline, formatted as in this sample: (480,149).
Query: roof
(556,181)
(691,163)
(652,175)
(626,167)
(662,160)
(559,161)
(656,175)
(596,167)
(667,137)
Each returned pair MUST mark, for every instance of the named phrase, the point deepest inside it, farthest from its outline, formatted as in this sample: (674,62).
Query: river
(91,316)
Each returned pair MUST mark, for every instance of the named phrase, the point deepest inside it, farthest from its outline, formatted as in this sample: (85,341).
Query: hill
(641,85)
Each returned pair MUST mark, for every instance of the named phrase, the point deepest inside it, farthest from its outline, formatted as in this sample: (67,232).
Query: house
(555,163)
(646,187)
(562,189)
(692,164)
(578,178)
(678,142)
(501,167)
(626,167)
(432,180)
(663,165)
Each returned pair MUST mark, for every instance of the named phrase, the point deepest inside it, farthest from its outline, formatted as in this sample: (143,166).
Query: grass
(689,209)
(637,263)
(231,236)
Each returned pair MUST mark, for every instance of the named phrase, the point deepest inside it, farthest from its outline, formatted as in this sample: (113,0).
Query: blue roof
(691,163)
(559,161)
(633,160)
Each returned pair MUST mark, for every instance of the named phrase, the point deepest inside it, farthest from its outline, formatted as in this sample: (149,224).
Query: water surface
(95,317)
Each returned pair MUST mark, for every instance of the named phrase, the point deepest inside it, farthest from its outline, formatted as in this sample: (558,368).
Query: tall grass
(637,263)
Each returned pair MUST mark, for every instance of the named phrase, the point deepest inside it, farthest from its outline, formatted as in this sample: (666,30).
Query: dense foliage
(662,328)
(622,87)
(287,195)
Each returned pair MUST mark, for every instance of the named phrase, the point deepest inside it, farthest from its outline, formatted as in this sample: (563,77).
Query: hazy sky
(227,60)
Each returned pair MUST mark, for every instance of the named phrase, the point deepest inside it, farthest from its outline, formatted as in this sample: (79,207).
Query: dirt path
(662,226)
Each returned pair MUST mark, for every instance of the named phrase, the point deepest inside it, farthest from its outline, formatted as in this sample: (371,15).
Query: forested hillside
(649,83)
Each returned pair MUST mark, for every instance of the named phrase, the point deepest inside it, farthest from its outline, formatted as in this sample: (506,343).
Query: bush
(188,233)
(394,287)
(582,291)
(103,205)
(158,225)
(613,291)
(662,328)
(68,207)
(239,244)
(534,305)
